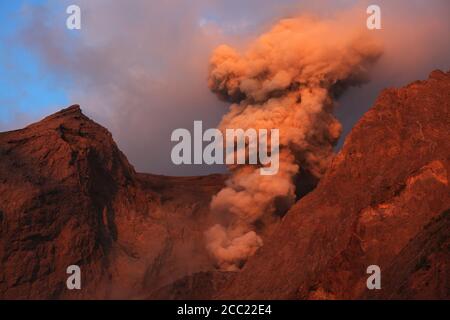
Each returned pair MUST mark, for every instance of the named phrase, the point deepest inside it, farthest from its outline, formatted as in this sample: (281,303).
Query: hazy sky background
(139,67)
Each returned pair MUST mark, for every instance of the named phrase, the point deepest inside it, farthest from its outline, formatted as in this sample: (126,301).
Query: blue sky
(27,90)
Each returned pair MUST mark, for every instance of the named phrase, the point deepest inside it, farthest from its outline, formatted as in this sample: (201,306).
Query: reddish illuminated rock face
(69,196)
(384,201)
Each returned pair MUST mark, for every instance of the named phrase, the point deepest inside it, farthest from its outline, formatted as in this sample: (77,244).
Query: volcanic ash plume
(285,80)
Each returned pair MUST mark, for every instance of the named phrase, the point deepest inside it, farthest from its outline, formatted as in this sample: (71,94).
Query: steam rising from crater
(287,80)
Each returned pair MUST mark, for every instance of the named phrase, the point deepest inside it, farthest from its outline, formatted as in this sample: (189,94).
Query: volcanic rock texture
(68,196)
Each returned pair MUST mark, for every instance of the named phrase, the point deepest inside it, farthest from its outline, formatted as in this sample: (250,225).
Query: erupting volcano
(286,79)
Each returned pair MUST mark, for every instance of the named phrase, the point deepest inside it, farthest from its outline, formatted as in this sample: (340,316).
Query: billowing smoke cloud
(287,80)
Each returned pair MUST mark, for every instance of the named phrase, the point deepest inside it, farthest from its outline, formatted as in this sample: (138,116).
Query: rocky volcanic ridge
(384,201)
(69,196)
